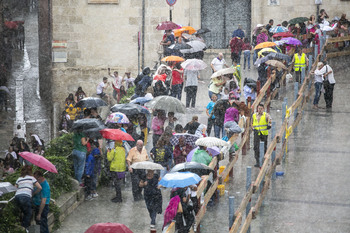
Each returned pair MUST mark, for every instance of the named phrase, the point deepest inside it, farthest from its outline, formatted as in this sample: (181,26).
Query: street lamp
(318,3)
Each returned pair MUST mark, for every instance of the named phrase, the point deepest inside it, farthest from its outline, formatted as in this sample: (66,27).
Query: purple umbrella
(291,41)
(213,151)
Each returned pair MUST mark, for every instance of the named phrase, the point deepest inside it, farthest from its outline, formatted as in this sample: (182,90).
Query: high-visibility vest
(260,126)
(299,63)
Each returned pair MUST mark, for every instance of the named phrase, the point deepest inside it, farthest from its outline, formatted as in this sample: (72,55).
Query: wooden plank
(211,191)
(213,162)
(261,93)
(280,133)
(202,185)
(237,223)
(247,221)
(261,196)
(338,54)
(171,228)
(201,213)
(338,39)
(244,202)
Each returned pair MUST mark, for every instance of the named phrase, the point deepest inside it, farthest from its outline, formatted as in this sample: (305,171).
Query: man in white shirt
(328,82)
(218,63)
(100,90)
(116,84)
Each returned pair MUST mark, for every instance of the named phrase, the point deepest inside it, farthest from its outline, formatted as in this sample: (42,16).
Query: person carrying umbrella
(181,150)
(161,154)
(191,84)
(169,40)
(79,154)
(158,126)
(299,61)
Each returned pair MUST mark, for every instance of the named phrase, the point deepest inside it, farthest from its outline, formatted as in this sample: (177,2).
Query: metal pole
(143,35)
(302,74)
(284,110)
(170,14)
(316,51)
(231,204)
(296,90)
(248,184)
(273,155)
(261,153)
(310,63)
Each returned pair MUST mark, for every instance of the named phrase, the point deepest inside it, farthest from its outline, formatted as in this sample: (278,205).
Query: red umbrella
(39,161)
(167,25)
(108,228)
(116,134)
(11,24)
(283,34)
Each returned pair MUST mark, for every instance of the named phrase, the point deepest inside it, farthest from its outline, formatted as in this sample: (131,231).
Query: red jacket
(236,45)
(178,156)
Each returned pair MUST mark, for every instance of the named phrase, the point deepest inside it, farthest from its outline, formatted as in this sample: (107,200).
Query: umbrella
(39,161)
(213,151)
(108,228)
(280,56)
(298,20)
(266,50)
(210,142)
(5,89)
(265,45)
(172,58)
(147,165)
(179,46)
(225,71)
(278,29)
(116,134)
(261,60)
(194,64)
(140,100)
(196,46)
(167,103)
(167,25)
(277,64)
(283,34)
(202,31)
(129,109)
(117,117)
(94,132)
(189,139)
(179,179)
(291,41)
(7,187)
(187,29)
(87,123)
(197,168)
(90,102)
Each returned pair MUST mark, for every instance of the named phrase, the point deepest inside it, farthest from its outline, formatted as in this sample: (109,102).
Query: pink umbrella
(39,161)
(108,227)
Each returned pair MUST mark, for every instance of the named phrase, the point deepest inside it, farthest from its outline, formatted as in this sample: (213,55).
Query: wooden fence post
(231,204)
(248,184)
(296,90)
(316,51)
(257,88)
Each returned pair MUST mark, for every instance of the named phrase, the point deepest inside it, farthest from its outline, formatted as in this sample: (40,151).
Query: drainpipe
(143,35)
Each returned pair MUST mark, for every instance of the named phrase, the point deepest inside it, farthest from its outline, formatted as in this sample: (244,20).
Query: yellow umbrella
(265,45)
(172,58)
(260,53)
(187,29)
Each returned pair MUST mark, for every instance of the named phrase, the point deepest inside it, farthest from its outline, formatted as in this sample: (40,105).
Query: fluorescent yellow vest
(261,126)
(299,63)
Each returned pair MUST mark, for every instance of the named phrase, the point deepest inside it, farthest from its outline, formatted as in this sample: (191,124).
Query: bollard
(261,153)
(310,63)
(231,215)
(302,75)
(248,184)
(296,90)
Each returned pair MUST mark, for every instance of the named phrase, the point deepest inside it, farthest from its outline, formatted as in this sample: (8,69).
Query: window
(273,2)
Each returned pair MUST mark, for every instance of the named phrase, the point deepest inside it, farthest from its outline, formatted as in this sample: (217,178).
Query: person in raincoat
(202,156)
(116,157)
(152,195)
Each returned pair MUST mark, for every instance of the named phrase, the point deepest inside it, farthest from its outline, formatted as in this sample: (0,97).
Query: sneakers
(94,195)
(152,226)
(89,198)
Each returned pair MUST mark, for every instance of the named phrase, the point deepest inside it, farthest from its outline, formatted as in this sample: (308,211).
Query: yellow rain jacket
(117,158)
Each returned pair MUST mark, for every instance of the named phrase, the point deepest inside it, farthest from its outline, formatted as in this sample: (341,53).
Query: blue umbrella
(179,179)
(140,100)
(278,29)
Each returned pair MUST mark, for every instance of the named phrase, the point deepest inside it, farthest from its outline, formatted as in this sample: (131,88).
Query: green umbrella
(298,20)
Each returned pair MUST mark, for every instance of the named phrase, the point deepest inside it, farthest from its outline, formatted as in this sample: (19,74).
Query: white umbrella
(194,64)
(7,187)
(166,103)
(221,72)
(147,165)
(211,141)
(196,47)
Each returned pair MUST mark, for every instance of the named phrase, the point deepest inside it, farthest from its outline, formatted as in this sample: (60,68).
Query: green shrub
(60,146)
(9,218)
(130,92)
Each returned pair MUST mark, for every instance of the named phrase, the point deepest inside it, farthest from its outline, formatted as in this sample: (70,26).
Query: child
(91,173)
(224,95)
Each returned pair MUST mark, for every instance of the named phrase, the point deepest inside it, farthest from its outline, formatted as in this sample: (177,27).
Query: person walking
(236,45)
(318,85)
(79,154)
(328,83)
(158,126)
(137,154)
(246,52)
(260,124)
(116,157)
(41,202)
(299,62)
(161,154)
(218,63)
(181,151)
(152,195)
(23,197)
(177,81)
(211,117)
(191,85)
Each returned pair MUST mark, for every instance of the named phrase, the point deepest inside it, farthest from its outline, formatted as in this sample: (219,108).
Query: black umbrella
(202,31)
(94,132)
(280,56)
(261,60)
(87,123)
(179,46)
(298,20)
(197,168)
(91,102)
(129,109)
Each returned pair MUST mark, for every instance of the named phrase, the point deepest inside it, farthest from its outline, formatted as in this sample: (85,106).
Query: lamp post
(318,3)
(171,3)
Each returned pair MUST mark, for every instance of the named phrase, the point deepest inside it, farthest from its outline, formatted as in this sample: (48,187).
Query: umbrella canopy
(108,228)
(280,56)
(265,45)
(87,123)
(298,20)
(91,102)
(213,151)
(202,31)
(141,100)
(197,168)
(189,139)
(129,109)
(39,161)
(167,25)
(283,34)
(186,29)
(277,64)
(116,134)
(225,71)
(7,187)
(278,29)
(266,50)
(167,103)
(196,46)
(261,60)
(179,179)
(147,165)
(194,64)
(117,117)
(179,46)
(291,41)
(172,58)
(94,132)
(210,142)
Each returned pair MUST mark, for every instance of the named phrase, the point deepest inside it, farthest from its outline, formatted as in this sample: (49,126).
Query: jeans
(117,185)
(217,130)
(257,139)
(255,56)
(211,94)
(44,227)
(176,91)
(318,87)
(191,93)
(79,158)
(24,202)
(328,95)
(246,58)
(153,215)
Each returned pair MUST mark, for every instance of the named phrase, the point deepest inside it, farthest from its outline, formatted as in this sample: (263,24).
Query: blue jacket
(90,162)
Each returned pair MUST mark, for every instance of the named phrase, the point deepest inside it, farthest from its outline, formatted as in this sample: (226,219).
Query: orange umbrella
(187,29)
(265,45)
(173,58)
